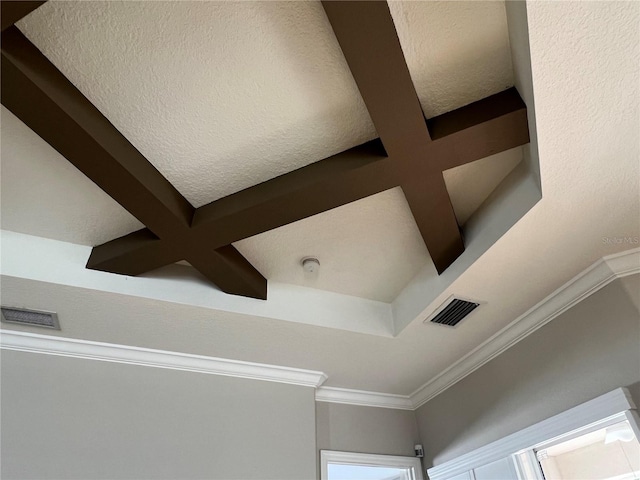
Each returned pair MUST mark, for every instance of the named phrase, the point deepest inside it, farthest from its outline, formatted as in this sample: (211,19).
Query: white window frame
(526,460)
(617,403)
(412,464)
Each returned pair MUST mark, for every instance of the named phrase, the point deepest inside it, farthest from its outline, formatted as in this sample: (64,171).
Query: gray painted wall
(353,428)
(71,418)
(589,350)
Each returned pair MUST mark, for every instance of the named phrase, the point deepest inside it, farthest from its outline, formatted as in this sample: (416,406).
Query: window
(605,450)
(362,466)
(596,440)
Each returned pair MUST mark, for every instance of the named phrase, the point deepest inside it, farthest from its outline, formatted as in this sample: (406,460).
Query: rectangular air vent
(454,310)
(30,317)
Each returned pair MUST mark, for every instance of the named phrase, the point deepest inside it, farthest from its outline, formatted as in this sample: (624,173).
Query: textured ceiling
(220,96)
(379,227)
(585,58)
(43,194)
(370,248)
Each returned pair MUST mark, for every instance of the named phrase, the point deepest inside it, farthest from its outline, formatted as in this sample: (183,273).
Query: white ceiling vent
(30,317)
(452,311)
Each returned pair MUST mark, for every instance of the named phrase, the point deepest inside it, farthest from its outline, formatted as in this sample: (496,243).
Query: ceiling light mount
(310,264)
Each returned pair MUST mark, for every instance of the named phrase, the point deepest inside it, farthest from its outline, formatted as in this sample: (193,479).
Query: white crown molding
(600,274)
(363,398)
(624,263)
(584,415)
(108,352)
(577,289)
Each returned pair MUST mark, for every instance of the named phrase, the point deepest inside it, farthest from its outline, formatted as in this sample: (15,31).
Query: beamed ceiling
(184,157)
(412,152)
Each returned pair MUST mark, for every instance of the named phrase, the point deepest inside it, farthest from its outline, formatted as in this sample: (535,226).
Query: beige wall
(353,428)
(72,418)
(589,350)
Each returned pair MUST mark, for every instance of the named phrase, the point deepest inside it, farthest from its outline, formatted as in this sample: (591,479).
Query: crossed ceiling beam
(12,11)
(412,153)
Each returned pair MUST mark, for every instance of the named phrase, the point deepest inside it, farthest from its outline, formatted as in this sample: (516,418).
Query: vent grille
(454,312)
(30,317)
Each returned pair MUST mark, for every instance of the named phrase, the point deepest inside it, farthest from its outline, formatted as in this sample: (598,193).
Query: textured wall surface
(589,350)
(68,418)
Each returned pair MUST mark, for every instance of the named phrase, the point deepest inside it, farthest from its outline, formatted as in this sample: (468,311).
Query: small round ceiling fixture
(310,264)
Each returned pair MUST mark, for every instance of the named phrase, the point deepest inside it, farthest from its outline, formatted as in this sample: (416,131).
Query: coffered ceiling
(228,97)
(222,96)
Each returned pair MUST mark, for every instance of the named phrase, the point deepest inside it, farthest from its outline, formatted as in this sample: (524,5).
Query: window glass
(611,453)
(364,472)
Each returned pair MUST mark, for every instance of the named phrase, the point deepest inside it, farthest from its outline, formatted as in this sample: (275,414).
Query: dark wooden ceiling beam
(483,128)
(46,101)
(343,178)
(42,97)
(11,11)
(134,254)
(141,252)
(405,156)
(368,38)
(430,205)
(232,272)
(493,107)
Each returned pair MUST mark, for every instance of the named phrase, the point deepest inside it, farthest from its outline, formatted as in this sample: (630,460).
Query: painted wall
(589,350)
(71,418)
(359,429)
